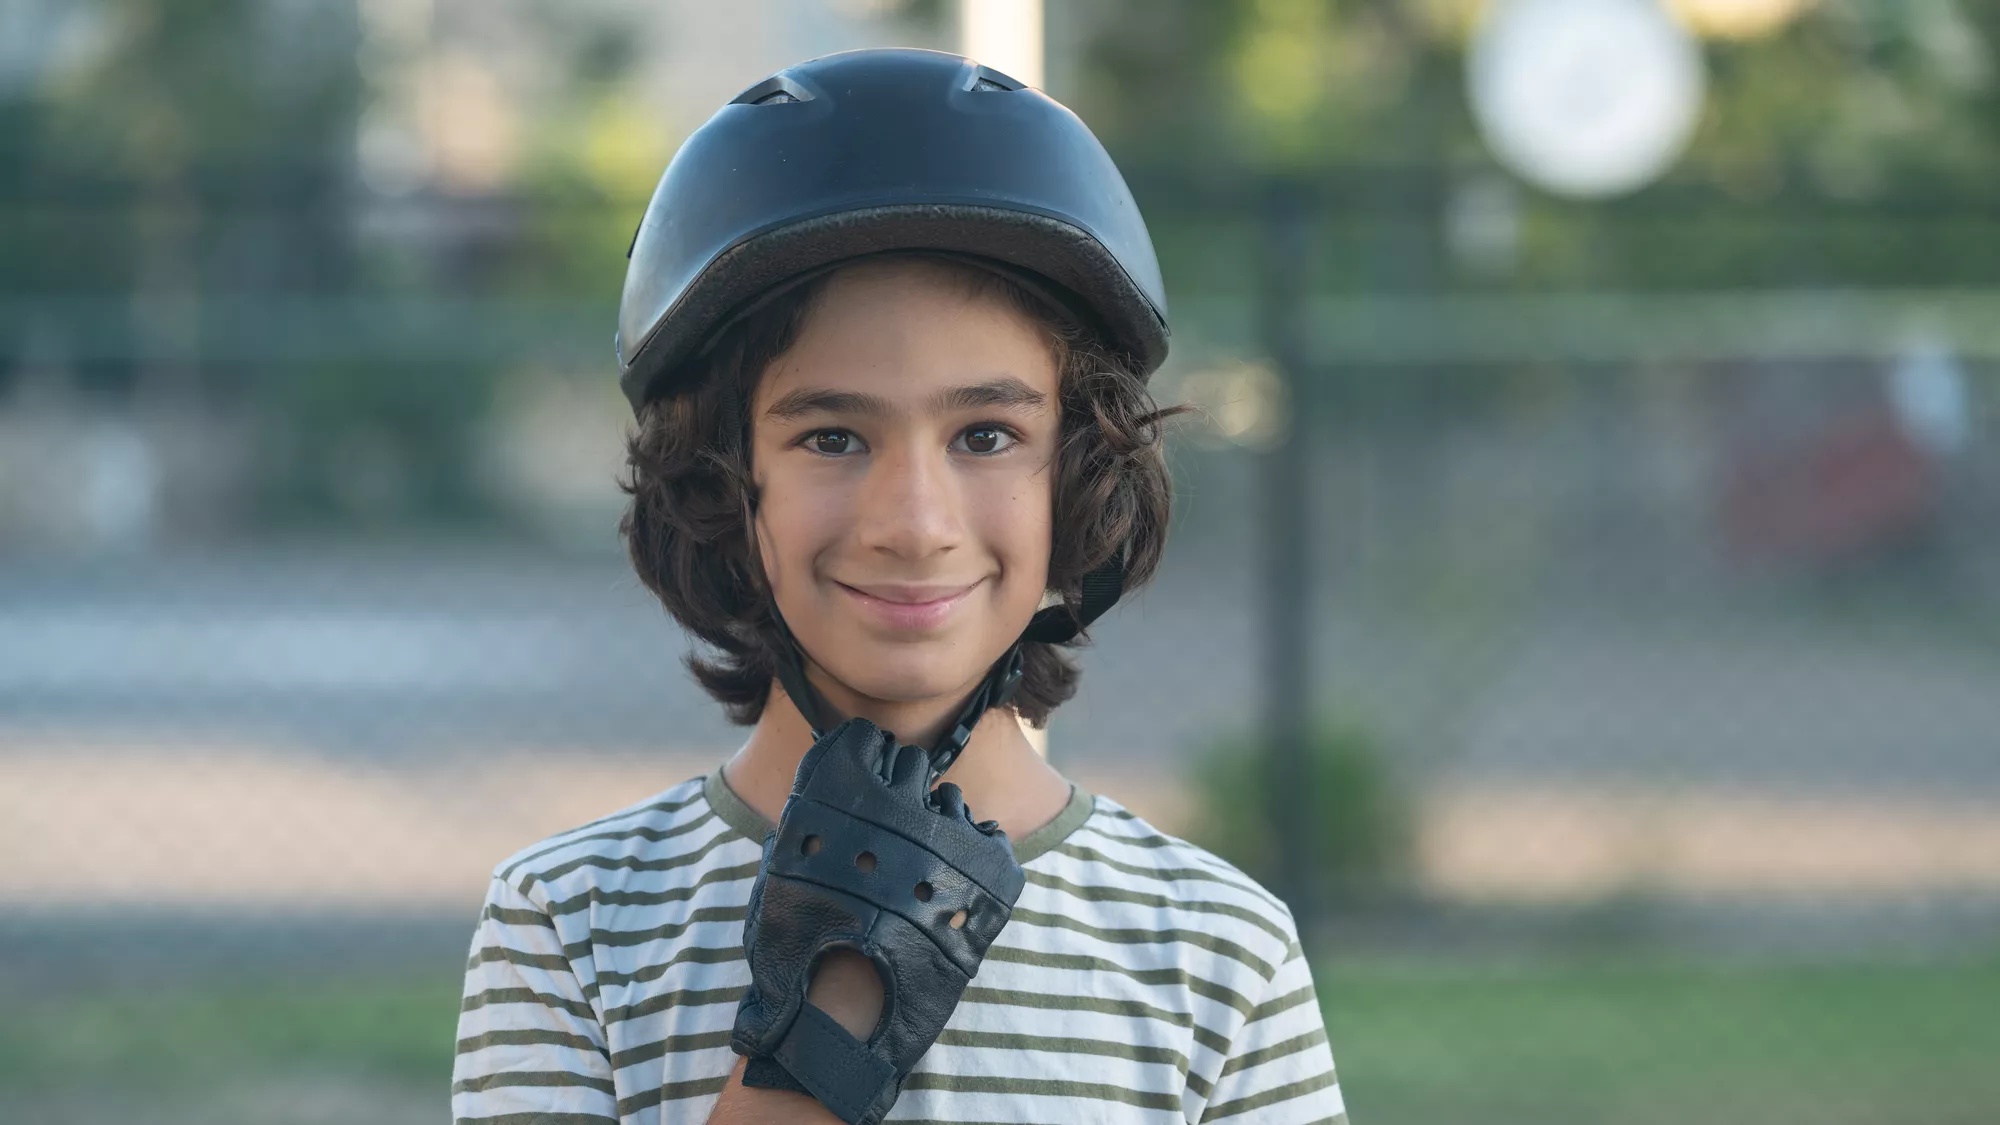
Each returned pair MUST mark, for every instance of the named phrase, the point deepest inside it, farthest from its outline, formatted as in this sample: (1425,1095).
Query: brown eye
(833,443)
(987,439)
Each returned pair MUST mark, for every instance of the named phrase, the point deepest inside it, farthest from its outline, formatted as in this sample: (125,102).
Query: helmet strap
(1002,680)
(1053,625)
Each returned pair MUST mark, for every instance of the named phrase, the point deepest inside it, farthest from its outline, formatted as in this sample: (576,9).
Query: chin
(907,676)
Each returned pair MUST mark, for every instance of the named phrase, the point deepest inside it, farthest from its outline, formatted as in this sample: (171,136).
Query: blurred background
(1592,529)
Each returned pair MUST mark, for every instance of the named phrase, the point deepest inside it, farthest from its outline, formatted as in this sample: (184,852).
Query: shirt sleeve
(1280,1068)
(530,1044)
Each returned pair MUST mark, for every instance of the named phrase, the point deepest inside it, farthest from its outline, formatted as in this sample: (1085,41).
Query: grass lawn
(1661,1043)
(1417,1044)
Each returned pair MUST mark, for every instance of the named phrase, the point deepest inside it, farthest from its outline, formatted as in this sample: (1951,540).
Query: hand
(865,860)
(847,987)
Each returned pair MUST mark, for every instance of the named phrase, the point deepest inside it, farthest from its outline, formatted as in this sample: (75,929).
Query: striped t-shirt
(1140,979)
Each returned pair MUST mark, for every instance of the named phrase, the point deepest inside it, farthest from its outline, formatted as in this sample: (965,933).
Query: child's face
(904,453)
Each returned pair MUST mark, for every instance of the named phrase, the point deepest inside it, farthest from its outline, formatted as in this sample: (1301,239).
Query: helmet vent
(775,90)
(987,80)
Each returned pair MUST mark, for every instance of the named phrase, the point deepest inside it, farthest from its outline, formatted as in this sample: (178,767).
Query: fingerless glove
(866,857)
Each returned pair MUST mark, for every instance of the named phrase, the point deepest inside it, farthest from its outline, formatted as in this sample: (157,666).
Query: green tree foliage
(1855,145)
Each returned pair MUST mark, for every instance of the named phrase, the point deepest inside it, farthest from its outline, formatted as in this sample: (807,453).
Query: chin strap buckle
(996,690)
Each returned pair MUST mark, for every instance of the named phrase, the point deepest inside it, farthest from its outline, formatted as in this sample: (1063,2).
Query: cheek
(792,530)
(1019,523)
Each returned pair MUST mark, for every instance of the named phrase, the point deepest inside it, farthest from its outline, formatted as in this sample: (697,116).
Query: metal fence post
(1287,600)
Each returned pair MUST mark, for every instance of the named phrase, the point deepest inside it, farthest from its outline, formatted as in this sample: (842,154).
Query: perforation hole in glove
(958,920)
(809,846)
(865,861)
(923,892)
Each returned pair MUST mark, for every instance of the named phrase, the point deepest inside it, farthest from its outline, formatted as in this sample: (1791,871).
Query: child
(886,329)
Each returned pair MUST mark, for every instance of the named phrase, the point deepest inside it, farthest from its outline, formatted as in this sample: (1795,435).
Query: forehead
(903,328)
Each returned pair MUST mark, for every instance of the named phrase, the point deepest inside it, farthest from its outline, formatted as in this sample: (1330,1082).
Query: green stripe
(541,1078)
(1011,1041)
(630,863)
(493,996)
(1276,1094)
(1084,854)
(671,1045)
(1148,840)
(1140,898)
(1222,869)
(669,1092)
(643,832)
(625,939)
(1048,1087)
(1300,995)
(1263,1055)
(1062,1045)
(529,1036)
(564,962)
(557,843)
(1125,935)
(689,955)
(547,962)
(539,1117)
(1129,1009)
(511,917)
(1085,963)
(1057,1002)
(678,998)
(597,896)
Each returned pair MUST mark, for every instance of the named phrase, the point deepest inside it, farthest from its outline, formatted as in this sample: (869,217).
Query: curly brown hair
(687,526)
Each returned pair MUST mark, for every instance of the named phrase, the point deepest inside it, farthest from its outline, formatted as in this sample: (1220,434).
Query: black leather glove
(858,792)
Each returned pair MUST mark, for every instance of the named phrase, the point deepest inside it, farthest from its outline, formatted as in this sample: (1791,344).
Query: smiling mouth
(911,595)
(908,608)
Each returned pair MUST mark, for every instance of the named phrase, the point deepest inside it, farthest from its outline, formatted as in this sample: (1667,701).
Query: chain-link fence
(1646,632)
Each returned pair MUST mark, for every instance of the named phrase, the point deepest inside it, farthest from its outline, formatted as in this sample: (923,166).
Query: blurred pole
(1007,36)
(1286,588)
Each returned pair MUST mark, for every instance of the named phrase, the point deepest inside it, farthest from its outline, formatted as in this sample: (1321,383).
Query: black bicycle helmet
(871,151)
(867,151)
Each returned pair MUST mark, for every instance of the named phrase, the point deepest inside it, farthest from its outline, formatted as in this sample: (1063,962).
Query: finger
(949,800)
(852,740)
(866,745)
(907,770)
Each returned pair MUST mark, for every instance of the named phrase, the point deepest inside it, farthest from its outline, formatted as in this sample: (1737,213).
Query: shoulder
(1118,855)
(673,830)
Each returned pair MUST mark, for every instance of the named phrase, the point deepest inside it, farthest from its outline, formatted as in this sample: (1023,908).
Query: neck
(1001,775)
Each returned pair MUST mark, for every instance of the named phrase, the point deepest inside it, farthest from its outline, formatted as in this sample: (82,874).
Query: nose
(910,503)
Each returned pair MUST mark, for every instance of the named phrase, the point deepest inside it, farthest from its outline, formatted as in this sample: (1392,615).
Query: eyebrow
(1004,391)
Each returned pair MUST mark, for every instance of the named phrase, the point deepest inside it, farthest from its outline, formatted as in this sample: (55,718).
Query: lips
(901,607)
